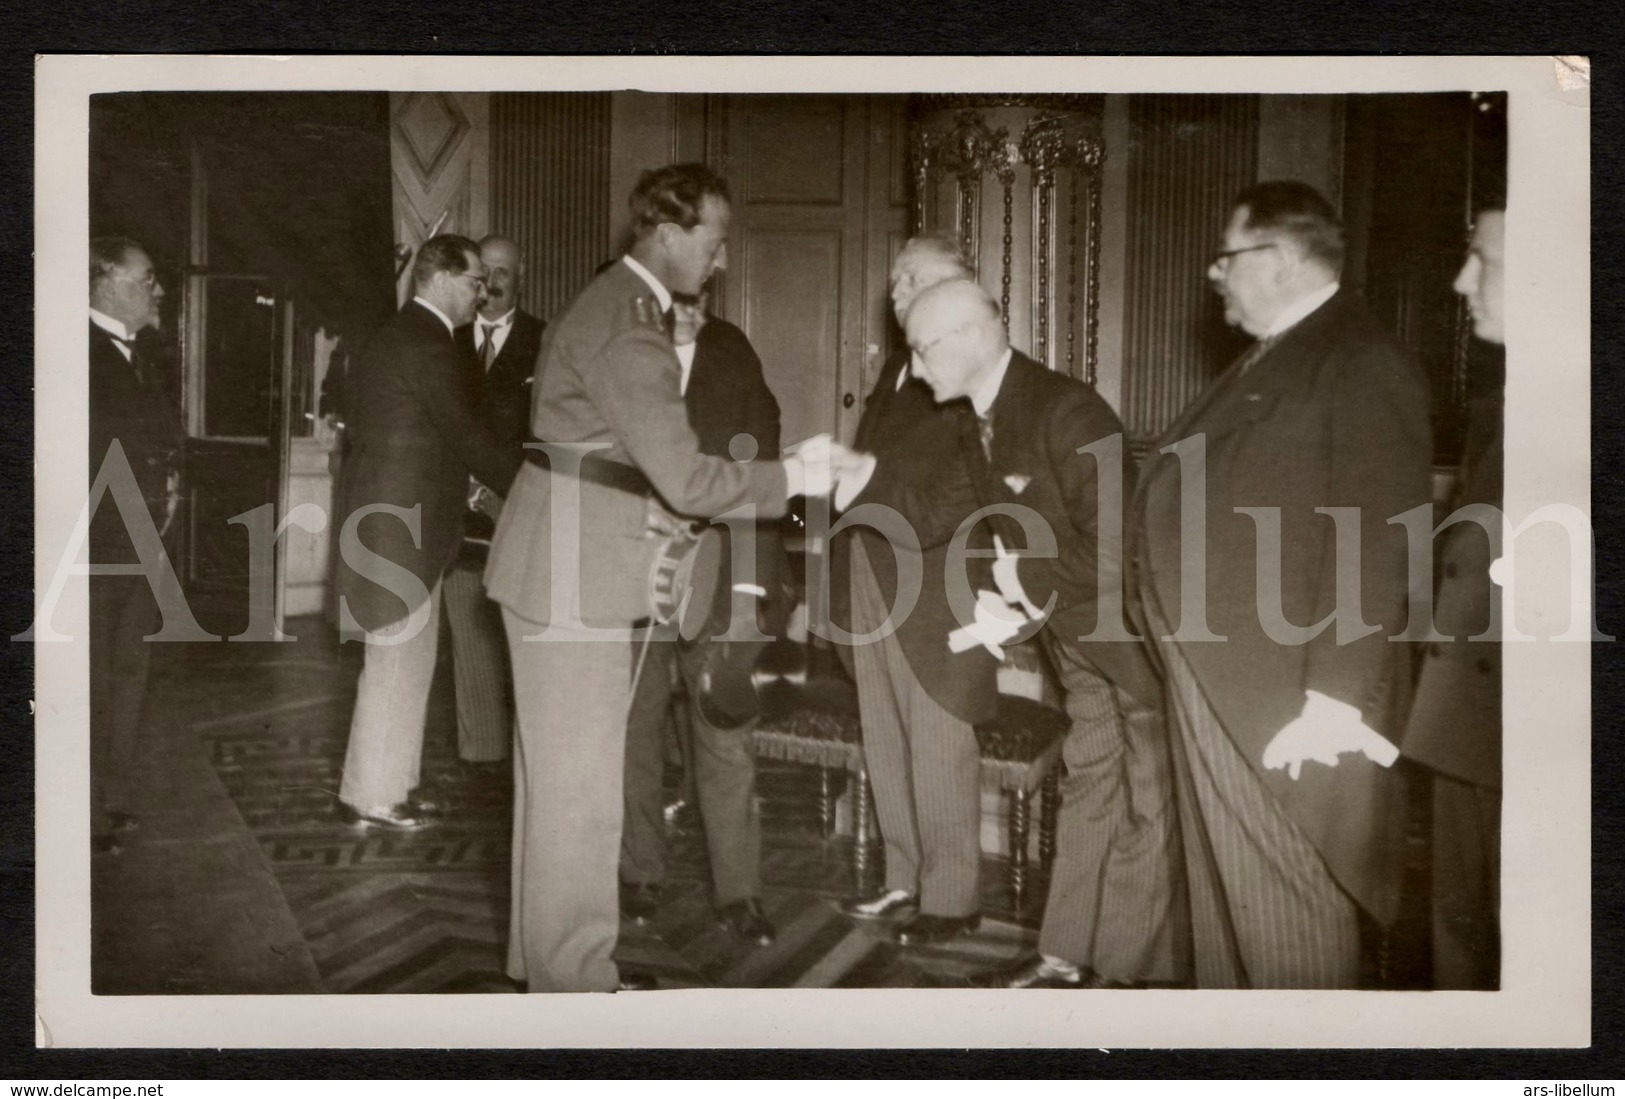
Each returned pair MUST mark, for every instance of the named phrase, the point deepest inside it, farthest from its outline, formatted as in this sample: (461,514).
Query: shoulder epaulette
(646,311)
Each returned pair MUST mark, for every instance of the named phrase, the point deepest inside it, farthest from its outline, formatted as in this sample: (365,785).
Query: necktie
(1249,358)
(488,349)
(136,364)
(984,430)
(669,320)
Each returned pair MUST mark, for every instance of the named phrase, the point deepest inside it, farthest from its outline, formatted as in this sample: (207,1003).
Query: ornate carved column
(1016,179)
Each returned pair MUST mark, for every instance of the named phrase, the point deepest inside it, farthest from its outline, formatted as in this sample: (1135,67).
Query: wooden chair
(816,722)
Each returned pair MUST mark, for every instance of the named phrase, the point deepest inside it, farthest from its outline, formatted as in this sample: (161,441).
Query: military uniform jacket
(923,472)
(1040,420)
(1334,415)
(609,379)
(414,438)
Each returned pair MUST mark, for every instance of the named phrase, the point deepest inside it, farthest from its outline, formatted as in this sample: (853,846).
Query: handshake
(816,466)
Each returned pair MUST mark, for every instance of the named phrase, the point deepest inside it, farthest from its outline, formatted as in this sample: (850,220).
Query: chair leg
(863,828)
(1049,811)
(1019,812)
(826,802)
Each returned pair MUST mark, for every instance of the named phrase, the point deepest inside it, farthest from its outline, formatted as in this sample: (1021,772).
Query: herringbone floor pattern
(427,911)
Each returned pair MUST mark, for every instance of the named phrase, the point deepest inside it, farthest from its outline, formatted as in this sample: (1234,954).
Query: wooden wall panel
(792,281)
(794,151)
(439,148)
(550,188)
(1189,156)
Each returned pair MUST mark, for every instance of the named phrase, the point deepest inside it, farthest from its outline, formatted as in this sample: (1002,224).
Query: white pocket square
(1018,482)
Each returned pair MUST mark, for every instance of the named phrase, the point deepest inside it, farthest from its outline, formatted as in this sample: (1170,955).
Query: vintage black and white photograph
(709,534)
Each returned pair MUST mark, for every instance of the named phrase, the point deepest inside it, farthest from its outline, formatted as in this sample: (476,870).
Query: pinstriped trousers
(479,653)
(923,767)
(1265,911)
(1117,902)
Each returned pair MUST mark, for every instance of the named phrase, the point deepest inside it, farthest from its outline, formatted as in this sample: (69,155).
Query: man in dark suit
(502,345)
(414,441)
(1455,721)
(919,701)
(128,407)
(571,560)
(1281,687)
(733,414)
(1049,457)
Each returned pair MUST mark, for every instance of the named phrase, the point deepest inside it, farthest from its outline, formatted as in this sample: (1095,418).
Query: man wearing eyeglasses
(1269,581)
(414,439)
(130,407)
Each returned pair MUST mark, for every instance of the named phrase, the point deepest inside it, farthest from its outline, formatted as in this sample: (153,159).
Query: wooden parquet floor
(427,911)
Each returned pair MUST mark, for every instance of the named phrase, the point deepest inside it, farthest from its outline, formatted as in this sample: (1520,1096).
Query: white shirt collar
(661,293)
(685,358)
(445,320)
(982,400)
(111,325)
(1300,309)
(501,322)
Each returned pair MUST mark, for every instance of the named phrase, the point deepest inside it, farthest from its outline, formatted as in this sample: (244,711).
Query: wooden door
(817,205)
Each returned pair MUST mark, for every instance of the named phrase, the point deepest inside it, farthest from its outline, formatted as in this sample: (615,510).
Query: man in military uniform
(570,562)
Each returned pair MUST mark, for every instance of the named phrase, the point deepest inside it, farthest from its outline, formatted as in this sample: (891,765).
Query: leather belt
(600,471)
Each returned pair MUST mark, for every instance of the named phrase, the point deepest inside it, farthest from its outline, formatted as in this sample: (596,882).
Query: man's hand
(852,480)
(813,466)
(1322,732)
(995,623)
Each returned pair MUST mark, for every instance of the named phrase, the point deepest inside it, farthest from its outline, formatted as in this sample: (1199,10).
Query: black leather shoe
(1026,973)
(424,803)
(879,906)
(924,930)
(400,818)
(746,921)
(639,901)
(1095,980)
(637,982)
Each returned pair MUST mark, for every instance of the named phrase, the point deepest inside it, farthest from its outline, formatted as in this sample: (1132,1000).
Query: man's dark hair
(107,254)
(448,252)
(674,193)
(1299,212)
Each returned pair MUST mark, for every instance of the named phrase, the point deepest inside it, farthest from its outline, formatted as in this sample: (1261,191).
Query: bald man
(919,701)
(502,346)
(1116,915)
(1455,721)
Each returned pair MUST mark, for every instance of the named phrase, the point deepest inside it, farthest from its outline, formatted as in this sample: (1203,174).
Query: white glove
(1322,732)
(995,623)
(1009,583)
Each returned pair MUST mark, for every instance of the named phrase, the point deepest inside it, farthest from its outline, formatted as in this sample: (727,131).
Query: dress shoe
(924,930)
(879,906)
(1029,972)
(637,982)
(424,803)
(746,921)
(401,818)
(640,901)
(120,821)
(1095,980)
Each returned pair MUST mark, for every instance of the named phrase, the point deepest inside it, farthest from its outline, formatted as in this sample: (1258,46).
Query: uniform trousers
(722,763)
(1265,910)
(479,653)
(923,763)
(1466,885)
(571,695)
(123,613)
(1117,902)
(385,755)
